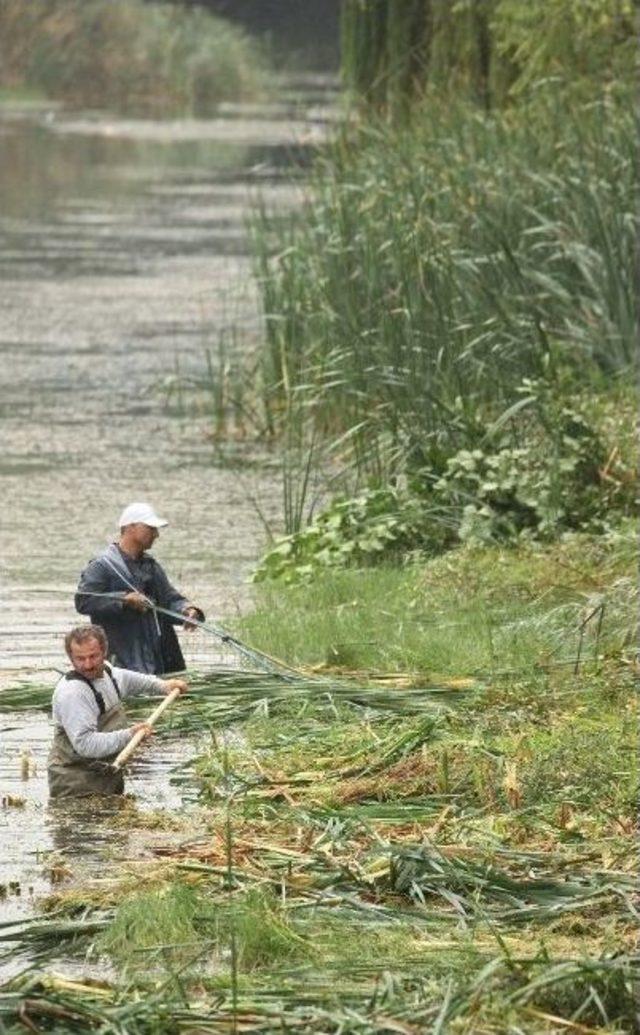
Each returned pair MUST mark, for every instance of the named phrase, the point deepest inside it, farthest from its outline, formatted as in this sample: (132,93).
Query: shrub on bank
(561,468)
(131,56)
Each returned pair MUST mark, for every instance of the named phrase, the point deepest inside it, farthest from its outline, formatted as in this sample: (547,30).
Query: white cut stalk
(138,737)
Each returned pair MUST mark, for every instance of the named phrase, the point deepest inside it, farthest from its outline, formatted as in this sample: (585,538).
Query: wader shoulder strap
(96,693)
(109,672)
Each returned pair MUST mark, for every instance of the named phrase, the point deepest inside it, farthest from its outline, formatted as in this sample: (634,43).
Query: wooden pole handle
(138,737)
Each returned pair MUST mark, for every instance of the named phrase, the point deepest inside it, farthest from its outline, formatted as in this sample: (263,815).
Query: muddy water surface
(123,260)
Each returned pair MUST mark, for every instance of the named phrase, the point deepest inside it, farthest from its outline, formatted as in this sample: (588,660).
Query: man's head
(87,648)
(139,526)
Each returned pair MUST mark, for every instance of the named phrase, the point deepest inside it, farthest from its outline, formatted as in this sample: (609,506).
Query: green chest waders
(71,775)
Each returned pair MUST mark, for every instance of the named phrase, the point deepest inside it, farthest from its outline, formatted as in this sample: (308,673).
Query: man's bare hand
(175,684)
(193,613)
(142,727)
(137,601)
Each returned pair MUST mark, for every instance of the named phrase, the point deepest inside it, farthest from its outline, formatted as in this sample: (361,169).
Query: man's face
(88,658)
(145,536)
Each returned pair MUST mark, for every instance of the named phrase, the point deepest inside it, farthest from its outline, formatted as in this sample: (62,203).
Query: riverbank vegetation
(490,52)
(450,322)
(420,819)
(128,56)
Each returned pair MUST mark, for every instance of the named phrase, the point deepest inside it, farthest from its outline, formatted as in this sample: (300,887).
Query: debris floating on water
(12,801)
(27,764)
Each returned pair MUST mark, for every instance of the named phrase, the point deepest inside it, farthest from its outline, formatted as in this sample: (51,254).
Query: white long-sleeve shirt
(75,709)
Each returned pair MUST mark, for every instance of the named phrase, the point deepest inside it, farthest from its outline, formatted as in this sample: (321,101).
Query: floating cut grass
(476,891)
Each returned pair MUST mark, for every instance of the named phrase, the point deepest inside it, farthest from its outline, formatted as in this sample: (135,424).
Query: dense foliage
(489,50)
(445,314)
(557,472)
(128,55)
(453,307)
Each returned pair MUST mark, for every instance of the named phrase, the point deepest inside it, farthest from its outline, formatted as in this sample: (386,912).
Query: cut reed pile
(373,859)
(293,909)
(417,1003)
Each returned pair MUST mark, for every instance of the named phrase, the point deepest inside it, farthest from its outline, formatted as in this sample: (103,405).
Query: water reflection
(41,169)
(83,828)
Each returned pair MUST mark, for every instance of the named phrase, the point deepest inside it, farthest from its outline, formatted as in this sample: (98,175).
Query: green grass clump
(265,934)
(177,925)
(471,610)
(127,55)
(157,926)
(588,763)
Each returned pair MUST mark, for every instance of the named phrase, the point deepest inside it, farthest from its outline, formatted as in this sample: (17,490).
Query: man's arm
(131,683)
(168,596)
(96,579)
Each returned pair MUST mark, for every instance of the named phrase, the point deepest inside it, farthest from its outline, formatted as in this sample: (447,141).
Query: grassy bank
(20,95)
(446,848)
(128,56)
(473,611)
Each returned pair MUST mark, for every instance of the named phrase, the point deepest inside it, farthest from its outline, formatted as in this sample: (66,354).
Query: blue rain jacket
(142,641)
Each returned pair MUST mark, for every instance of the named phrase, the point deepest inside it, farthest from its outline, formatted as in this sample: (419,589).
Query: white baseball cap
(141,513)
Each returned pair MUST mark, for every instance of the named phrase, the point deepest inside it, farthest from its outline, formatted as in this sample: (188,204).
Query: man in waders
(91,727)
(120,589)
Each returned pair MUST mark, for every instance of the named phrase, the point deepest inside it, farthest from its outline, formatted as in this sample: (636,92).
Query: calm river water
(123,259)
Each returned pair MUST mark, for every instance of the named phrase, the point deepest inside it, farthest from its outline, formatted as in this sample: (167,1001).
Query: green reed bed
(439,266)
(130,56)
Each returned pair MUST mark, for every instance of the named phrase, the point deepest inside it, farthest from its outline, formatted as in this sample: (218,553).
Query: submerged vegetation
(132,57)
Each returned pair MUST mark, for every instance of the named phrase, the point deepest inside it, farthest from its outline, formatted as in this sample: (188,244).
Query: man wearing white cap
(119,588)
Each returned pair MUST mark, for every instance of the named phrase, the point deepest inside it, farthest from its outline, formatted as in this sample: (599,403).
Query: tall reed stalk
(393,49)
(438,267)
(488,50)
